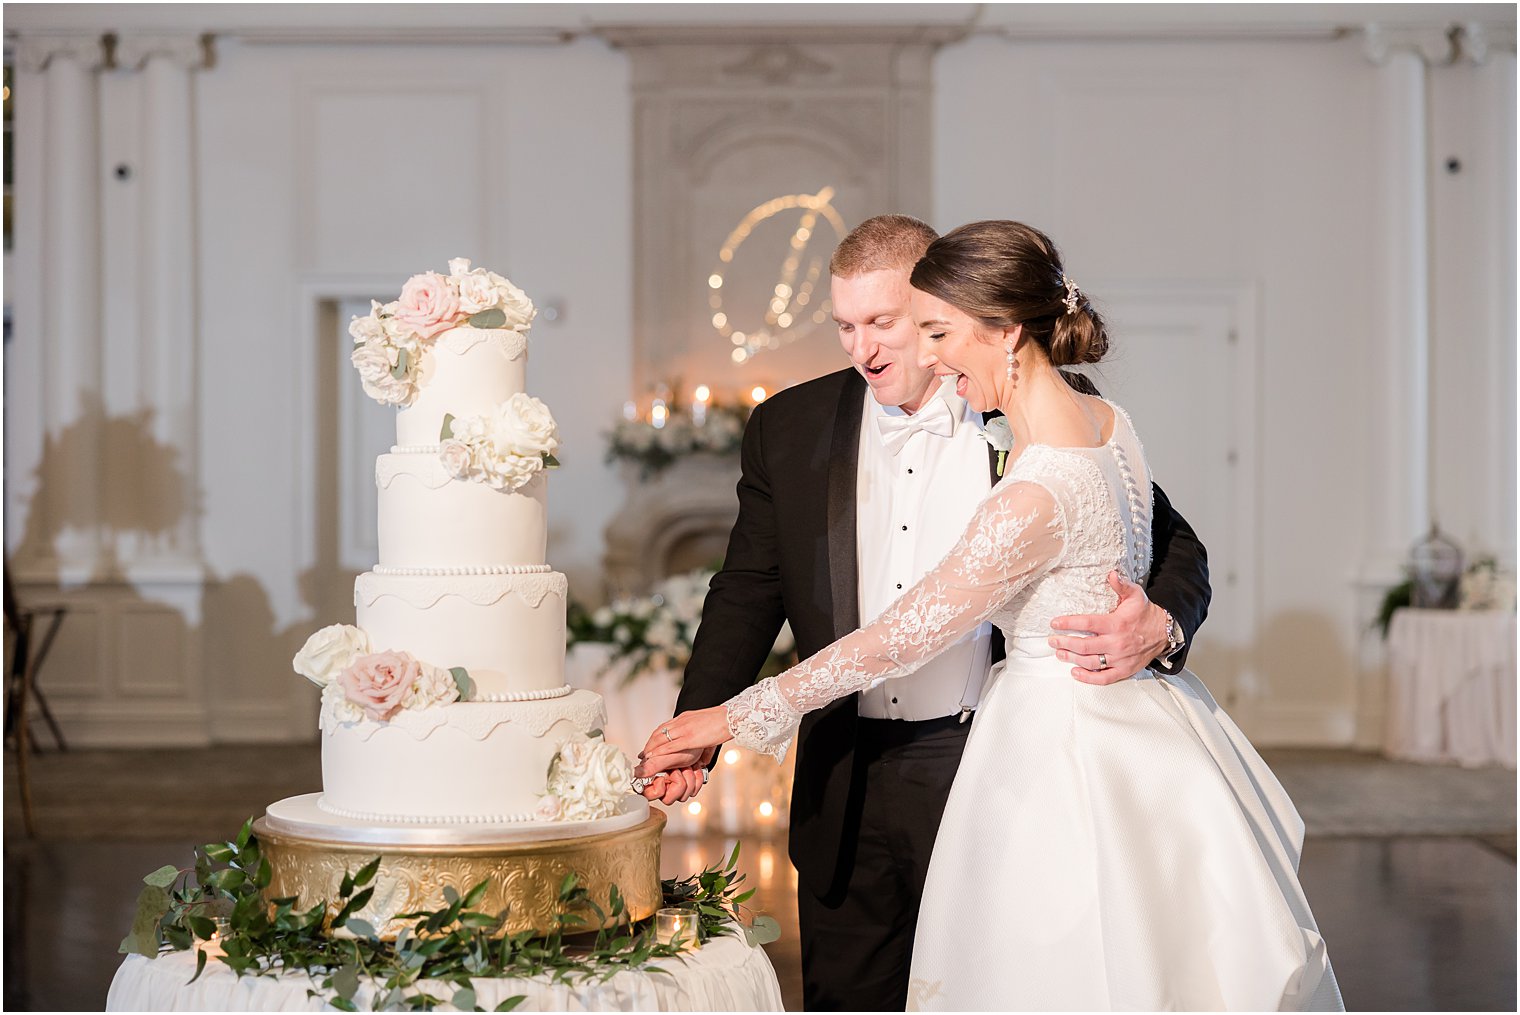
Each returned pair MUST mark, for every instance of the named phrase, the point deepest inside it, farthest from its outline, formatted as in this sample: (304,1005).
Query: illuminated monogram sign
(760,317)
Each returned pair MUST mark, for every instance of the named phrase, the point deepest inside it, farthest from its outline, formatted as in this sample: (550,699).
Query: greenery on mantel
(220,899)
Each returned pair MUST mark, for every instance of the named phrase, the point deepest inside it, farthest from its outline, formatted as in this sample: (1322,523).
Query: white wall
(1241,176)
(1215,192)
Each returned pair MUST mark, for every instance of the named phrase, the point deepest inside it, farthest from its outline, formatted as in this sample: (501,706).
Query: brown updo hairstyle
(1006,273)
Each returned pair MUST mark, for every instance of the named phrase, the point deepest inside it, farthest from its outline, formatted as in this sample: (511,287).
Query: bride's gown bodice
(1040,546)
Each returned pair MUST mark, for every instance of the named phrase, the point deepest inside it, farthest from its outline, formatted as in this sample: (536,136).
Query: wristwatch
(1175,639)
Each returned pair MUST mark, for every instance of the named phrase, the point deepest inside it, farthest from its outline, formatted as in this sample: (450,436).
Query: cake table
(725,974)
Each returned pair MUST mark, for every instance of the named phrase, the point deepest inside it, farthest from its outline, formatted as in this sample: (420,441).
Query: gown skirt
(1114,848)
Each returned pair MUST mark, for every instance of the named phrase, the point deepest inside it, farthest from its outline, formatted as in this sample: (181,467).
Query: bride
(1103,847)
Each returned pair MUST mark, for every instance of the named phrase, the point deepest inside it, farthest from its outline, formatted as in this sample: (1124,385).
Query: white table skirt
(724,975)
(1451,686)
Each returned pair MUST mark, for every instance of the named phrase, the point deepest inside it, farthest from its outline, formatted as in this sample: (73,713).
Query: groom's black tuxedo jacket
(792,556)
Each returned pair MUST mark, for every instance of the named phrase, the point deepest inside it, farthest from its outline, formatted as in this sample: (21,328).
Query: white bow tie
(935,418)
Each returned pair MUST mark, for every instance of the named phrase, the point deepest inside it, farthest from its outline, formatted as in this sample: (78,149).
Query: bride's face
(951,343)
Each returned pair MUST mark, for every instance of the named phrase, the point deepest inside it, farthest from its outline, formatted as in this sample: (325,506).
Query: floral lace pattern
(1040,546)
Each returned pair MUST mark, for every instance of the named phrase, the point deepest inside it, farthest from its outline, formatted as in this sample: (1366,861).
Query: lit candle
(757,394)
(699,400)
(630,410)
(658,414)
(676,927)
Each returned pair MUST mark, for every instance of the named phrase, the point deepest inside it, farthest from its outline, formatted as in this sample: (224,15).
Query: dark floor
(1412,923)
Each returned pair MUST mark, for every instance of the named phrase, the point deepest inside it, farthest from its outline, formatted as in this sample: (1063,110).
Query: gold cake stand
(524,877)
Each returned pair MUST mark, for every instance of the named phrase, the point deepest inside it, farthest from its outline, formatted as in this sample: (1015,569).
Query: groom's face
(874,313)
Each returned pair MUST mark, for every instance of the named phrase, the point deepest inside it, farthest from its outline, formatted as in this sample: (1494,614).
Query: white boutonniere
(999,434)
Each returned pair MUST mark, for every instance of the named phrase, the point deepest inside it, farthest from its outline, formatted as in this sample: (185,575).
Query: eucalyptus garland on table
(221,898)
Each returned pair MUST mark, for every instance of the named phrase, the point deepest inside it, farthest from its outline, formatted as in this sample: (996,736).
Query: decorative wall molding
(1434,44)
(1479,41)
(189,51)
(35,51)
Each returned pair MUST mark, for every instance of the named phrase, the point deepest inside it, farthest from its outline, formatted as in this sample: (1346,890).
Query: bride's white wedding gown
(1115,847)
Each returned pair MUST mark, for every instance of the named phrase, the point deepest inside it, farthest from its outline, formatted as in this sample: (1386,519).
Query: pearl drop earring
(1009,346)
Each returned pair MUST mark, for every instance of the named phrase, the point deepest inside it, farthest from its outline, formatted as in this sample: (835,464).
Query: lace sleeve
(1016,535)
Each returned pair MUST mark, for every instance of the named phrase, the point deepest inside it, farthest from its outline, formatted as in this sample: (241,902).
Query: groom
(844,501)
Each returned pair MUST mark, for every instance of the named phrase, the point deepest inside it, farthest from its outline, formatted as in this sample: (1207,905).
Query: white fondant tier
(508,630)
(465,763)
(465,372)
(428,519)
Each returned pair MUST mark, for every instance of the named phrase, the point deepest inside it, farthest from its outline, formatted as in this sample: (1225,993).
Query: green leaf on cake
(447,430)
(164,877)
(152,901)
(550,462)
(463,681)
(492,318)
(399,370)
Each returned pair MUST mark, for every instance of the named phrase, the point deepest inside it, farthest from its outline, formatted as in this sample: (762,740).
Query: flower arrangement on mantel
(671,433)
(217,906)
(655,631)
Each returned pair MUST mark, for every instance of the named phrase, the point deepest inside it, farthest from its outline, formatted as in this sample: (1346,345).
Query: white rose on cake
(476,293)
(523,425)
(329,652)
(513,302)
(456,458)
(337,708)
(375,363)
(434,686)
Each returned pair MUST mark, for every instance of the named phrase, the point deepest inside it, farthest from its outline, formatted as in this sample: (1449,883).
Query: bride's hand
(686,741)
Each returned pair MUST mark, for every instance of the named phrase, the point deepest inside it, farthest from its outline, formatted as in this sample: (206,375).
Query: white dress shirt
(911,507)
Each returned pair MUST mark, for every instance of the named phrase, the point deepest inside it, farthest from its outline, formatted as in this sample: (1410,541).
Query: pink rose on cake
(428,304)
(379,683)
(329,652)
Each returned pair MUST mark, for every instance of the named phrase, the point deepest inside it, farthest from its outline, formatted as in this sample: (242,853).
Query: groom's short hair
(886,242)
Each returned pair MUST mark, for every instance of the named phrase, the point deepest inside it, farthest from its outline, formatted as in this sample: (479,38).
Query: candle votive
(676,927)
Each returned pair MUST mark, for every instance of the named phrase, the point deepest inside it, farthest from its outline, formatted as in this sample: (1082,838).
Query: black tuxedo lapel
(844,459)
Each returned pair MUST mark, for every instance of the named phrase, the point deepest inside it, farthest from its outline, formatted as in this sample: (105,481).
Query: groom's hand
(1126,639)
(678,785)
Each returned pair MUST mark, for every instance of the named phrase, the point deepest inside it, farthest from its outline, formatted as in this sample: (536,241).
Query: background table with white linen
(749,793)
(1451,686)
(725,974)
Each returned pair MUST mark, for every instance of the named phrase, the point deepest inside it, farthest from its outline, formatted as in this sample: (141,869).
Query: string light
(730,757)
(757,394)
(790,294)
(694,808)
(767,808)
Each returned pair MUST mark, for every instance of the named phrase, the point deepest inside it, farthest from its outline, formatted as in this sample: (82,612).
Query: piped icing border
(427,469)
(459,571)
(424,590)
(414,819)
(511,344)
(584,710)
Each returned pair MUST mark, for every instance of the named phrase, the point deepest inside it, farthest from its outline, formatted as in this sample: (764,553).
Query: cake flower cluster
(503,449)
(358,683)
(588,779)
(390,341)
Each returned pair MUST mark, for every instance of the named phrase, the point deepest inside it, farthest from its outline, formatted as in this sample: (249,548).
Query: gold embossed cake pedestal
(525,877)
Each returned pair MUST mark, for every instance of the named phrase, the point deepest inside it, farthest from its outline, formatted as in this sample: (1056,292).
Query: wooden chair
(28,650)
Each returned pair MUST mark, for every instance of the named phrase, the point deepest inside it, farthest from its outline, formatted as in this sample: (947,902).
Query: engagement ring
(1103,661)
(666,730)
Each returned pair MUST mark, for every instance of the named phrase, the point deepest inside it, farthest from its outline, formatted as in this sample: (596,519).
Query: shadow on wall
(155,649)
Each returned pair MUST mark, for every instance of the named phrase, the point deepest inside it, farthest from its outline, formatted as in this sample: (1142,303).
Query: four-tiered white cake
(445,709)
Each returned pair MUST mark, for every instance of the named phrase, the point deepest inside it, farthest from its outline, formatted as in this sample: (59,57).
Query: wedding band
(666,730)
(1103,661)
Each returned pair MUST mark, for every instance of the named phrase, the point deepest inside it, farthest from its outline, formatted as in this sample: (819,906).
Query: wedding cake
(445,713)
